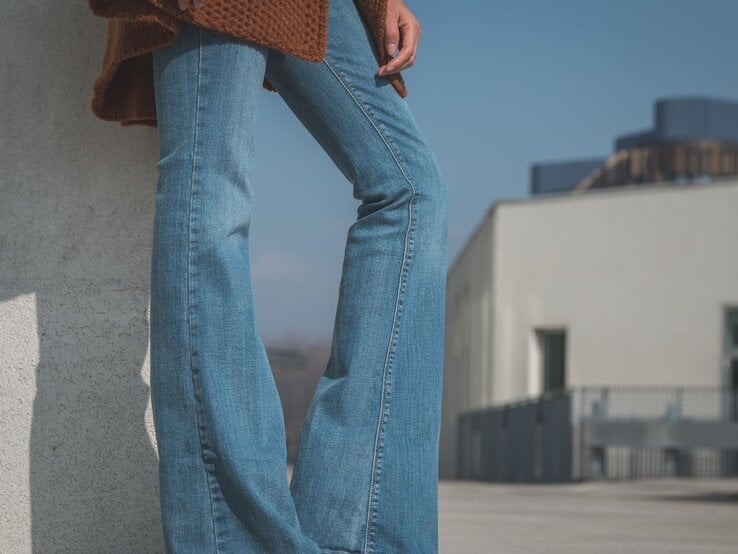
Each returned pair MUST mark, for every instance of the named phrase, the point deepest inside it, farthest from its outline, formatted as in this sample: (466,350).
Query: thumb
(391,39)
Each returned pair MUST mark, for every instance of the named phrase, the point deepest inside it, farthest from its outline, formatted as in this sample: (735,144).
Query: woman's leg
(366,474)
(217,415)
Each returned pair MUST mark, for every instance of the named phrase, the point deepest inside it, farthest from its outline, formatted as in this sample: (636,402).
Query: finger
(408,62)
(392,38)
(409,33)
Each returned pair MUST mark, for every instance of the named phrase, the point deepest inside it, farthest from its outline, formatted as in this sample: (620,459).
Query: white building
(629,286)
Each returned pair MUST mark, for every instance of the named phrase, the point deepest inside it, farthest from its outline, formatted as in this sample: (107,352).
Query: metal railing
(602,432)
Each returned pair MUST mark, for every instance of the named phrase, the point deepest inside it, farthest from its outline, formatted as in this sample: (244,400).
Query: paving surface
(661,516)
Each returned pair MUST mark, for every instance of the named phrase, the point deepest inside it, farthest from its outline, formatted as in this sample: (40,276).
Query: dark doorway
(552,345)
(731,357)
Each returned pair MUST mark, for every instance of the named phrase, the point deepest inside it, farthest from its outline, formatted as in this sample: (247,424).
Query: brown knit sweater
(124,89)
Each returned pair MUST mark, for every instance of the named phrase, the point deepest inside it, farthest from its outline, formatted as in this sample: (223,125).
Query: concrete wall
(467,346)
(638,277)
(78,458)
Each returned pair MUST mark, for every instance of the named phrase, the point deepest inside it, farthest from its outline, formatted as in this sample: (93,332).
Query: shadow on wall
(75,224)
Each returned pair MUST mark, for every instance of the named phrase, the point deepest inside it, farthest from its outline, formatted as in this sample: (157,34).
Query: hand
(401,28)
(184,4)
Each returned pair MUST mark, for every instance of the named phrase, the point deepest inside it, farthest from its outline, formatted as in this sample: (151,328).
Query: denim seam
(387,372)
(190,292)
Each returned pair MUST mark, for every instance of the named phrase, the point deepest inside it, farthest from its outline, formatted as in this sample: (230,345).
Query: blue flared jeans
(365,477)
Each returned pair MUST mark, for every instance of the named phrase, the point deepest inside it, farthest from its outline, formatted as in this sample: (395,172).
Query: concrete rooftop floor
(644,516)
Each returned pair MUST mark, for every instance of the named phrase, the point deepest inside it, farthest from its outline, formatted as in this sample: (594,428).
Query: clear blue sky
(496,86)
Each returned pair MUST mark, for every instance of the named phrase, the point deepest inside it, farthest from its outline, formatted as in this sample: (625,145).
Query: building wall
(561,176)
(688,118)
(467,349)
(78,465)
(638,277)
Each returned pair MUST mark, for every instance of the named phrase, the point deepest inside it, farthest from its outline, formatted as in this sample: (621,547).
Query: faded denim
(366,474)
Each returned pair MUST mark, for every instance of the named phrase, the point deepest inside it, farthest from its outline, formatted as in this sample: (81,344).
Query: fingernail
(392,47)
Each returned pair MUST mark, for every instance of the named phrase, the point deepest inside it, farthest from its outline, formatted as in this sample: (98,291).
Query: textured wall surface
(78,458)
